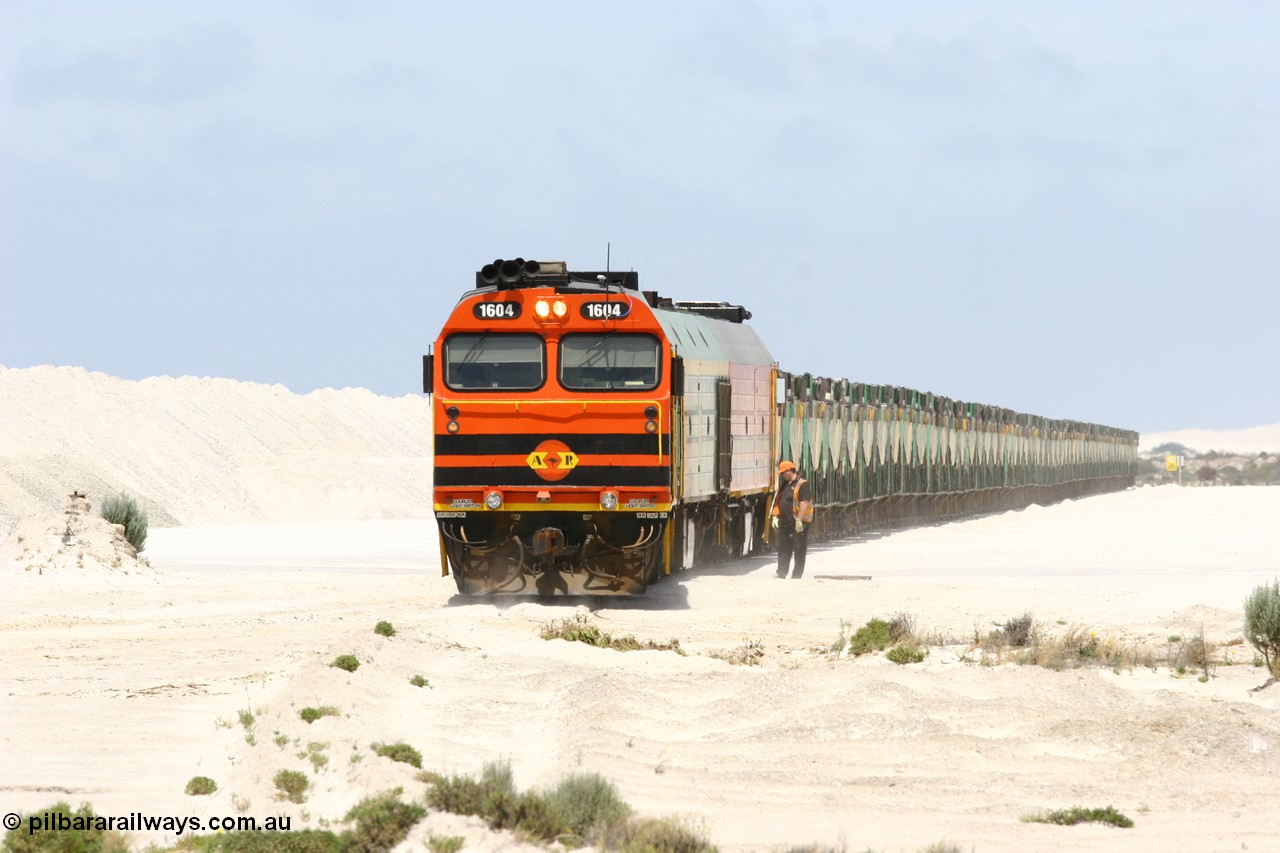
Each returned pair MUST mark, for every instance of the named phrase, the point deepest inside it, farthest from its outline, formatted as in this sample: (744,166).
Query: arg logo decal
(552,460)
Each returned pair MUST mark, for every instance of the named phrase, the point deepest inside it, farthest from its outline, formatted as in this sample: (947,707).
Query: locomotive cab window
(492,361)
(611,361)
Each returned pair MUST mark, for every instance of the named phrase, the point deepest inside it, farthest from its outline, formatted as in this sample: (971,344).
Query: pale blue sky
(1069,209)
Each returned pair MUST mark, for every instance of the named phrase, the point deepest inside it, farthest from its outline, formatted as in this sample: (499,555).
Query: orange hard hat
(786,465)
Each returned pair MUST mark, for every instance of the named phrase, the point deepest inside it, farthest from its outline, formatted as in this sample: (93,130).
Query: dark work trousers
(791,543)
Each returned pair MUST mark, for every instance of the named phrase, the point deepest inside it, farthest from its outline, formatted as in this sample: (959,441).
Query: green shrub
(292,784)
(83,840)
(123,509)
(529,813)
(446,843)
(588,804)
(1262,623)
(265,841)
(1079,814)
(905,654)
(401,752)
(464,795)
(419,681)
(384,629)
(580,629)
(310,715)
(348,662)
(201,786)
(874,636)
(495,799)
(381,822)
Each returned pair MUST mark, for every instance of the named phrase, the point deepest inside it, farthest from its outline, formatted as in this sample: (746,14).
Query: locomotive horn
(489,272)
(509,271)
(532,267)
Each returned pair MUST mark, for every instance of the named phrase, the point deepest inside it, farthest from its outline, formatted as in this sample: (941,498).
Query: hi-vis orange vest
(803,509)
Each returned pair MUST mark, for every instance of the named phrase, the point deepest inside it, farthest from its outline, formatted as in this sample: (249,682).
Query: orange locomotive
(589,437)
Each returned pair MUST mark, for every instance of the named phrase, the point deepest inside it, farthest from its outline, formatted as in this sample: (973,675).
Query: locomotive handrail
(517,403)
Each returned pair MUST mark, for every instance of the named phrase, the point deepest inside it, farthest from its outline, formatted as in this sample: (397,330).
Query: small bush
(310,715)
(1017,631)
(580,629)
(292,785)
(871,637)
(902,627)
(588,804)
(905,654)
(201,786)
(384,629)
(123,509)
(1079,814)
(465,796)
(749,653)
(659,835)
(495,799)
(22,840)
(268,841)
(1077,647)
(401,752)
(419,681)
(1190,653)
(348,662)
(315,754)
(1262,623)
(446,843)
(381,822)
(529,813)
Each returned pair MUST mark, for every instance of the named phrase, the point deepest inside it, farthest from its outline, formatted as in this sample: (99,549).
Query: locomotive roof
(710,339)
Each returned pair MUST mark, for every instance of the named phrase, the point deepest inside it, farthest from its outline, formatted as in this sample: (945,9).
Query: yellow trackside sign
(1171,462)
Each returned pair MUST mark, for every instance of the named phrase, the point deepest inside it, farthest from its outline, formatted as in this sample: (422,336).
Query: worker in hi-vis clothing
(792,514)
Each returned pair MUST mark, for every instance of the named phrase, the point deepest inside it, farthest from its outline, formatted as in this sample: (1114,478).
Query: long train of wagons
(591,437)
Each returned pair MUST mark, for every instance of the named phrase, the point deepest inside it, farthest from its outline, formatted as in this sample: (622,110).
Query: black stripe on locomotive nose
(616,444)
(583,475)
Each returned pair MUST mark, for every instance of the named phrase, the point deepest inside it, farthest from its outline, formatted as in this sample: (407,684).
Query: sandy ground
(119,688)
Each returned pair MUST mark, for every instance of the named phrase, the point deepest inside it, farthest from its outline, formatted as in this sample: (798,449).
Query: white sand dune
(210,451)
(118,688)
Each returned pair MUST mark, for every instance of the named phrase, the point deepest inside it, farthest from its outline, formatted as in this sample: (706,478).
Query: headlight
(608,500)
(559,308)
(493,500)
